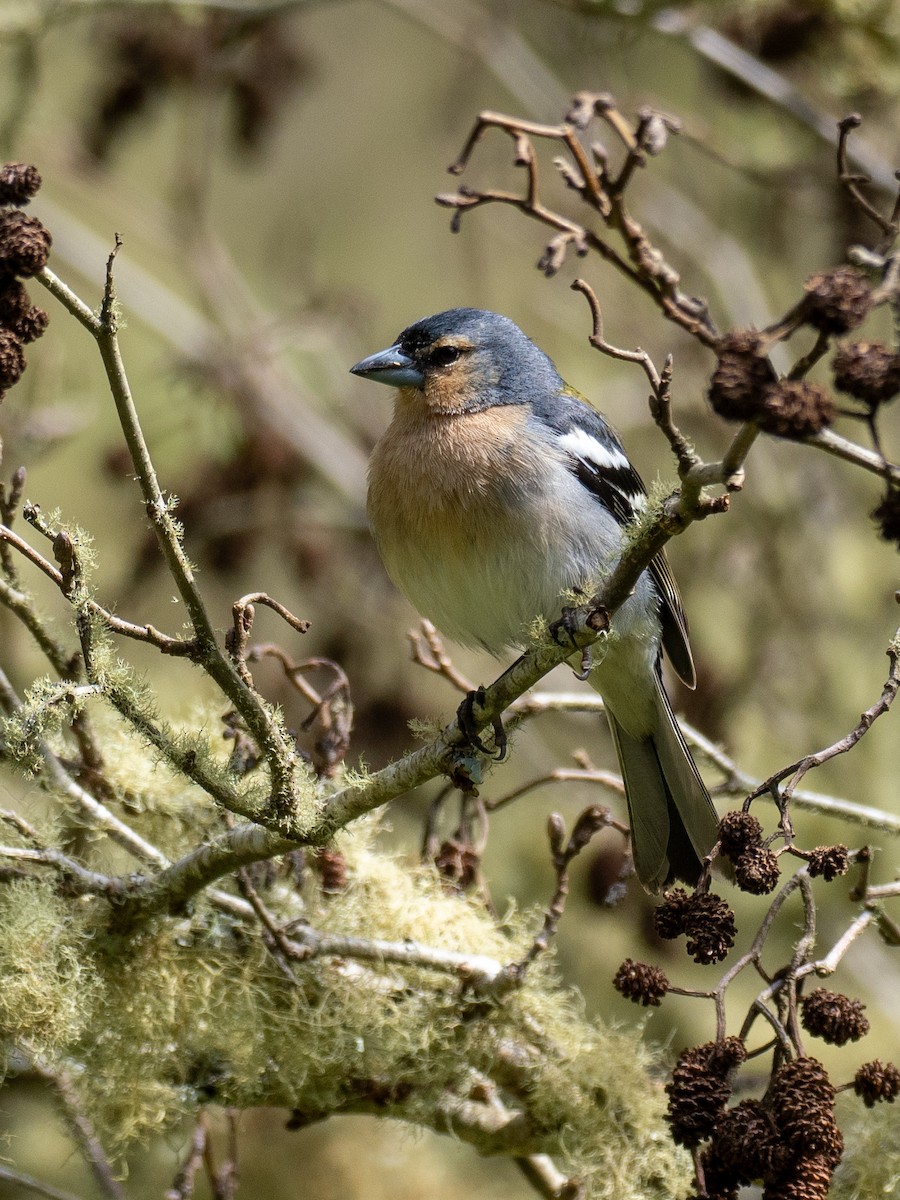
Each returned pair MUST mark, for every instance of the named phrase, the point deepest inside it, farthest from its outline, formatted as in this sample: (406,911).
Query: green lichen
(49,706)
(197,1010)
(47,985)
(870,1168)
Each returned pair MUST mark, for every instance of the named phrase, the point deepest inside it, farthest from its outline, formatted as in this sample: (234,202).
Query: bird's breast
(447,477)
(478,523)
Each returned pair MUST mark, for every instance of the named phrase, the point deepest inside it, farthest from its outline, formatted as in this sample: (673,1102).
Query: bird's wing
(601,465)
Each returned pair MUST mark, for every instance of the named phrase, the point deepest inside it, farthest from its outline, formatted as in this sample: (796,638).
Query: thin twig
(436,659)
(841,447)
(606,779)
(141,633)
(829,964)
(265,726)
(647,267)
(183,1184)
(78,880)
(82,1129)
(20,1179)
(547,1180)
(798,769)
(277,941)
(476,970)
(851,180)
(563,851)
(243,612)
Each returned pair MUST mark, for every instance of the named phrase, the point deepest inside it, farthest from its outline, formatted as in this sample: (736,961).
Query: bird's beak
(390,366)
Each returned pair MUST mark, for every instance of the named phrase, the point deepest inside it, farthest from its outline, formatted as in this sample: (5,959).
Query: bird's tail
(673,821)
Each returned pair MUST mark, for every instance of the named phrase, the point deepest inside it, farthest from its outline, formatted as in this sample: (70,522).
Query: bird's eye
(444,356)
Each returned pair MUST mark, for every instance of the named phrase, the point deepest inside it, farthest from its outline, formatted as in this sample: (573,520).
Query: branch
(798,769)
(647,267)
(81,1128)
(78,880)
(436,658)
(547,1180)
(183,1184)
(20,1179)
(17,602)
(446,755)
(267,729)
(841,447)
(477,971)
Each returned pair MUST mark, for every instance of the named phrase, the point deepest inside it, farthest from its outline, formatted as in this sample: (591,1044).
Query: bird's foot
(563,632)
(563,629)
(465,718)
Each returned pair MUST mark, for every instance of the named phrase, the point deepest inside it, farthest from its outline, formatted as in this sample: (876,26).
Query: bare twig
(435,658)
(223,1180)
(692,503)
(267,729)
(606,779)
(562,852)
(183,1184)
(331,718)
(21,1180)
(243,612)
(141,633)
(278,943)
(82,1129)
(841,447)
(477,971)
(644,265)
(798,769)
(829,964)
(851,181)
(547,1180)
(77,880)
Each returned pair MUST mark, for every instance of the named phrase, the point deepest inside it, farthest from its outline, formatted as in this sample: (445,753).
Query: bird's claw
(566,626)
(587,664)
(465,718)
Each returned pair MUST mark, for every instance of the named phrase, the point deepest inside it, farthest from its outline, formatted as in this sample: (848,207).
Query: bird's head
(463,360)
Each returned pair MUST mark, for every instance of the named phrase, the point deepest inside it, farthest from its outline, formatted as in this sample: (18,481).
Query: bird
(497,489)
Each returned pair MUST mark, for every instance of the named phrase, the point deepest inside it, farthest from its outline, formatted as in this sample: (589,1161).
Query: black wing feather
(621,490)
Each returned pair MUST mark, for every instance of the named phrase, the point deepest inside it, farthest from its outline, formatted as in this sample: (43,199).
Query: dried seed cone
(806,1179)
(14,301)
(802,1106)
(886,515)
(670,917)
(833,1017)
(739,831)
(698,1092)
(32,324)
(24,244)
(641,983)
(870,371)
(742,375)
(795,408)
(727,1054)
(875,1081)
(710,928)
(746,1141)
(18,183)
(722,1181)
(830,861)
(12,358)
(837,301)
(756,871)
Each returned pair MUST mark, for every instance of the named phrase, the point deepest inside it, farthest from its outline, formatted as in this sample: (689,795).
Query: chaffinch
(497,488)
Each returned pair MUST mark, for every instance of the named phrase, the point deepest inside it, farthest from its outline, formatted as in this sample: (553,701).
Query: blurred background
(271,170)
